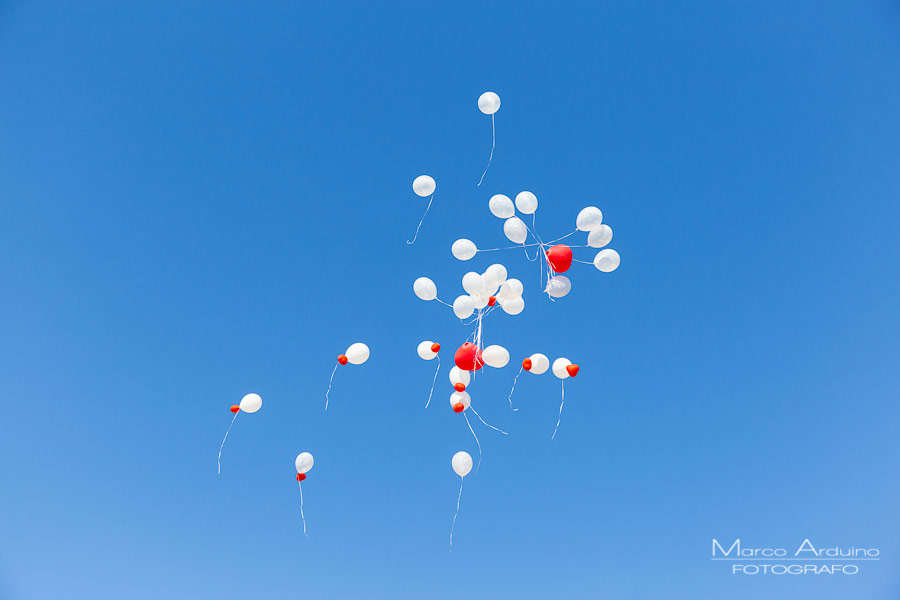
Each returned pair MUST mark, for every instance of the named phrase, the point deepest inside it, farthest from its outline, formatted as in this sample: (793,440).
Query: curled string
(560,409)
(433,381)
(219,460)
(329,385)
(476,440)
(413,241)
(302,518)
(514,389)
(486,423)
(493,141)
(453,526)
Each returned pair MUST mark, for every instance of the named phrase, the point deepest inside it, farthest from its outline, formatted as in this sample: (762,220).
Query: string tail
(514,389)
(328,391)
(560,410)
(427,208)
(219,460)
(491,157)
(433,381)
(476,440)
(486,423)
(453,526)
(302,516)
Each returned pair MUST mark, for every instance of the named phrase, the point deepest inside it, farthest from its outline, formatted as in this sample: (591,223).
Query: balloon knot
(342,358)
(235,408)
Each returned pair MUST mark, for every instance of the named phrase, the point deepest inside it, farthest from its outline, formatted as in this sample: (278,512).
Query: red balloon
(560,258)
(468,357)
(572,370)
(235,408)
(301,476)
(526,364)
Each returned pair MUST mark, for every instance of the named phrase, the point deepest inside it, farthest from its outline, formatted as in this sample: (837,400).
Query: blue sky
(204,200)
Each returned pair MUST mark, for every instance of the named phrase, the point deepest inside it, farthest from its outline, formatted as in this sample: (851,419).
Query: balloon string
(302,517)
(486,423)
(560,409)
(329,385)
(442,302)
(413,241)
(584,262)
(514,389)
(453,526)
(433,381)
(219,460)
(562,238)
(523,245)
(476,440)
(493,142)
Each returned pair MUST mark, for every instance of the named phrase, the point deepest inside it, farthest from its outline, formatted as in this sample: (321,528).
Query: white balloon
(424,350)
(510,289)
(357,353)
(463,306)
(489,103)
(558,286)
(501,206)
(494,276)
(251,403)
(607,260)
(480,300)
(424,288)
(460,398)
(516,230)
(559,367)
(526,202)
(600,236)
(473,283)
(304,462)
(589,219)
(539,363)
(423,186)
(461,463)
(512,306)
(495,356)
(457,375)
(463,249)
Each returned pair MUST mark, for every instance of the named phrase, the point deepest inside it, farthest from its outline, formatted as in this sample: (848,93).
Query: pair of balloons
(356,354)
(538,364)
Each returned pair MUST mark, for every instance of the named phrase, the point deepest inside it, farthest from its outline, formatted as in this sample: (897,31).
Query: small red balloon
(459,407)
(435,347)
(468,357)
(235,408)
(459,387)
(560,258)
(492,300)
(301,476)
(342,359)
(572,370)
(526,364)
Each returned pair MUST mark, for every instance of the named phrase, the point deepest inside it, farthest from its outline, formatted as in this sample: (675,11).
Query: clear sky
(201,200)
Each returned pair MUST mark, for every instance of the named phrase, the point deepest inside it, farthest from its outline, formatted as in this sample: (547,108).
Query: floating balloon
(463,306)
(559,367)
(494,276)
(458,378)
(589,219)
(526,203)
(462,466)
(510,289)
(607,260)
(425,289)
(460,401)
(356,354)
(249,404)
(501,206)
(303,463)
(495,356)
(428,350)
(513,306)
(560,258)
(473,283)
(600,237)
(489,103)
(463,249)
(538,364)
(468,357)
(558,286)
(424,186)
(515,230)
(563,369)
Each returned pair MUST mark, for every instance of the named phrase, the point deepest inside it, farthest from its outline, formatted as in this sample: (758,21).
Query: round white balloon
(510,289)
(494,276)
(512,306)
(423,186)
(600,236)
(516,230)
(558,286)
(473,283)
(526,202)
(463,249)
(461,463)
(424,350)
(607,260)
(457,375)
(251,403)
(539,363)
(559,367)
(463,306)
(489,103)
(357,353)
(480,300)
(588,219)
(304,462)
(495,356)
(501,206)
(461,398)
(425,288)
